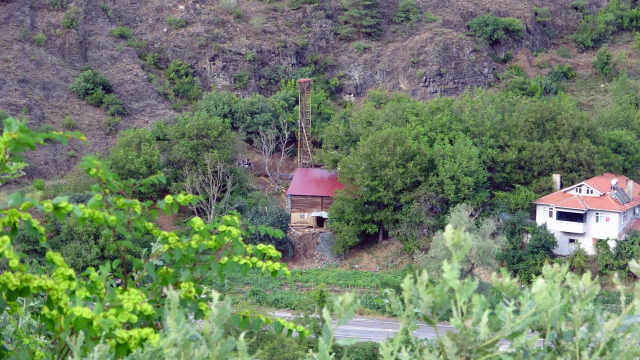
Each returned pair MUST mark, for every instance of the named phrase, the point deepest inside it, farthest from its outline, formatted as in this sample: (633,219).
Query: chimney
(557,183)
(629,188)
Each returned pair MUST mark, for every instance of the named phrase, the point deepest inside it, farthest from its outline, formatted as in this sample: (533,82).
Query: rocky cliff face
(425,60)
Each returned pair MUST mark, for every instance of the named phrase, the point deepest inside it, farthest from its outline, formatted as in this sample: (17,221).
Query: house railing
(569,226)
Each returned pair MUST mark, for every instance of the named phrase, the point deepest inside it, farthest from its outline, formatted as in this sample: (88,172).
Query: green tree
(270,214)
(380,176)
(136,156)
(604,62)
(483,243)
(360,18)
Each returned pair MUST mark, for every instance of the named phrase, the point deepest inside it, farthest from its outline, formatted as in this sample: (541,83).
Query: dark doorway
(320,221)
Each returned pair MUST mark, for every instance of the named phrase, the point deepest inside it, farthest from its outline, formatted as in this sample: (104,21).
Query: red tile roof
(606,202)
(314,182)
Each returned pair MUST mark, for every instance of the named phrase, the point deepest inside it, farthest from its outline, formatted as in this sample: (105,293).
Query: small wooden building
(310,194)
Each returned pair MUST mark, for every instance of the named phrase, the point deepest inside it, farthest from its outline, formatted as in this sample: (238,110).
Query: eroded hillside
(221,39)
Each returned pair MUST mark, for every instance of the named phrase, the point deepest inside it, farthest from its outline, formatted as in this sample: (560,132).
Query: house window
(589,191)
(573,241)
(579,189)
(624,216)
(547,212)
(303,216)
(602,217)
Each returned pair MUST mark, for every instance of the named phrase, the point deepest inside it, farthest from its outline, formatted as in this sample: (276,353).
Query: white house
(603,207)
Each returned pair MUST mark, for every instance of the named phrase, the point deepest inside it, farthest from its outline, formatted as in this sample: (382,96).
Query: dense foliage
(360,18)
(492,28)
(407,162)
(94,87)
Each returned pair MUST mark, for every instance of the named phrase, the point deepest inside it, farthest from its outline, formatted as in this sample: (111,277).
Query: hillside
(270,41)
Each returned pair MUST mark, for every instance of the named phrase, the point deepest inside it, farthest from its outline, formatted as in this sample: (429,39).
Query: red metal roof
(601,183)
(314,182)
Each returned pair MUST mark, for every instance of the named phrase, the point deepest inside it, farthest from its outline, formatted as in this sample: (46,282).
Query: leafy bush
(38,184)
(113,105)
(580,6)
(636,41)
(137,44)
(494,29)
(39,39)
(237,14)
(185,84)
(69,123)
(563,52)
(579,261)
(22,35)
(88,82)
(57,4)
(277,217)
(135,155)
(176,22)
(122,32)
(360,46)
(560,73)
(297,4)
(502,60)
(107,9)
(542,14)
(110,124)
(360,18)
(592,31)
(407,12)
(242,79)
(604,62)
(72,18)
(430,18)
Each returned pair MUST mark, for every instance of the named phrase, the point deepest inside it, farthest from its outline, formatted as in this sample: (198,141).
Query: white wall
(595,230)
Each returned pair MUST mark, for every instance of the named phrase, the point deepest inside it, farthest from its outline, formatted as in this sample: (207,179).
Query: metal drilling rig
(304,124)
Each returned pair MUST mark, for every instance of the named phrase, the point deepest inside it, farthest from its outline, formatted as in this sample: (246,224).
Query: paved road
(381,329)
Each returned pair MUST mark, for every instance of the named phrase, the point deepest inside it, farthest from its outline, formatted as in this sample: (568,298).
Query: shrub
(604,62)
(72,18)
(201,42)
(69,123)
(242,79)
(250,55)
(107,9)
(39,39)
(237,14)
(277,217)
(257,23)
(580,6)
(176,22)
(113,104)
(563,52)
(592,31)
(153,60)
(22,35)
(360,18)
(636,41)
(407,12)
(185,84)
(38,184)
(430,18)
(135,155)
(578,260)
(542,14)
(492,29)
(360,46)
(122,32)
(503,60)
(111,124)
(137,44)
(88,82)
(560,73)
(57,4)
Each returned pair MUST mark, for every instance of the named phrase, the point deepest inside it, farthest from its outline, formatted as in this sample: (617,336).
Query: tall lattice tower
(304,124)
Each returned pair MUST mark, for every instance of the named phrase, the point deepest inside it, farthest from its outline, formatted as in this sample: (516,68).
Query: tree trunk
(380,233)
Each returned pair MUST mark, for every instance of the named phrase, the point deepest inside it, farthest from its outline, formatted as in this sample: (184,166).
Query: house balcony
(569,227)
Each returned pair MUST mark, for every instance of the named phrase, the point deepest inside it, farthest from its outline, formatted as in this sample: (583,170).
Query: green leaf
(115,263)
(278,327)
(58,214)
(346,342)
(137,264)
(257,324)
(270,231)
(279,234)
(261,229)
(15,199)
(235,320)
(245,322)
(97,308)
